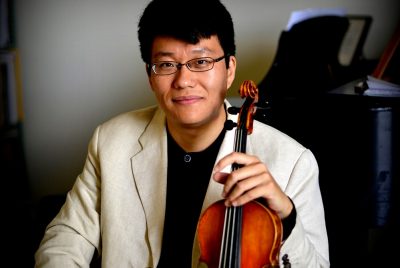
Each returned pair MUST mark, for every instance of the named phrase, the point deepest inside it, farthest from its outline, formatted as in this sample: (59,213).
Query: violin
(247,236)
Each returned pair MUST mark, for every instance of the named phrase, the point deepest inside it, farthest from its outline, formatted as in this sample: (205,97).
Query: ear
(231,71)
(148,71)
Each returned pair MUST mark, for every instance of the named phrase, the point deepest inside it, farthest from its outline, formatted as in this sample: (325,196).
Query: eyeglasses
(195,65)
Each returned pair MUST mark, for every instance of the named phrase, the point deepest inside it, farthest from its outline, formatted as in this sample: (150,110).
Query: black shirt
(188,177)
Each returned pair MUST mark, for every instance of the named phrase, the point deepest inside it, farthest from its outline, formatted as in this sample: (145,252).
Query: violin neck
(240,140)
(231,237)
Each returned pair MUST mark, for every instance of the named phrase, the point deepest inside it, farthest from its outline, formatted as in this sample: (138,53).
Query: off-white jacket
(117,204)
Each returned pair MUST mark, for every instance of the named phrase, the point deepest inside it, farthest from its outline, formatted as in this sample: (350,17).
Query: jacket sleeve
(307,245)
(72,236)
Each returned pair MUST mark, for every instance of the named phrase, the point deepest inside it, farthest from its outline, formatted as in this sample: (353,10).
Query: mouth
(186,99)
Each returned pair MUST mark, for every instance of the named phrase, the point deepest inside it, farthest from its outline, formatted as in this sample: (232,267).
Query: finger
(242,178)
(234,157)
(248,196)
(220,177)
(246,190)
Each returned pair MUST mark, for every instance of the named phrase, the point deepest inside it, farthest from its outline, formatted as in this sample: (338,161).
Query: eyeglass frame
(179,65)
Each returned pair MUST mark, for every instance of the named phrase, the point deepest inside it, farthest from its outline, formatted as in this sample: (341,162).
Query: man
(150,173)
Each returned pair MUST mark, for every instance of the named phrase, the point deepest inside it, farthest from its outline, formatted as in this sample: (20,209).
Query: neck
(197,138)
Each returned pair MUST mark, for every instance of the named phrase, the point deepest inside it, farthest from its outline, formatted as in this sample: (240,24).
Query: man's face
(191,99)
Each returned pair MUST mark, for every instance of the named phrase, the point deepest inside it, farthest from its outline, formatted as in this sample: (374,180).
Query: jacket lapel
(149,168)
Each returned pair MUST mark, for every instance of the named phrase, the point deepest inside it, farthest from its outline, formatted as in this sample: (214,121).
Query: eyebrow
(162,53)
(195,51)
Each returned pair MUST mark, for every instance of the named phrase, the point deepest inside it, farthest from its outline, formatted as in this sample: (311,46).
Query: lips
(186,99)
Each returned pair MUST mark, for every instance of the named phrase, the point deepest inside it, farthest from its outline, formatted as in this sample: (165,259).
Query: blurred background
(80,65)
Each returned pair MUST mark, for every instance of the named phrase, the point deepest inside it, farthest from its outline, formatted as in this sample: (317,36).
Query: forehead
(169,46)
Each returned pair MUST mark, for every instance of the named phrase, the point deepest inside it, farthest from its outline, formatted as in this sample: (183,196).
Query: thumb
(220,177)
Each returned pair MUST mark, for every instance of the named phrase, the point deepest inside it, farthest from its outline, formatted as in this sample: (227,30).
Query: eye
(166,65)
(201,64)
(202,61)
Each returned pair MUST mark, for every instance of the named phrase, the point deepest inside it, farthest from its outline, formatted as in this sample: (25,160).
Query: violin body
(261,235)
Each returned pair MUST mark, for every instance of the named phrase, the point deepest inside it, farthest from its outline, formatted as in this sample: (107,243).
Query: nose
(183,77)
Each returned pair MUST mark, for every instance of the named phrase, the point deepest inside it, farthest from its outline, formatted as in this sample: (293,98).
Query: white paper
(301,15)
(377,87)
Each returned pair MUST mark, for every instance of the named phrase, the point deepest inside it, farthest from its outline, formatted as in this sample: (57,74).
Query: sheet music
(304,14)
(377,87)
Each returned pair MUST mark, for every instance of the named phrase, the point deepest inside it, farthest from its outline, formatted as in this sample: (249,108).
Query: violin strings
(233,220)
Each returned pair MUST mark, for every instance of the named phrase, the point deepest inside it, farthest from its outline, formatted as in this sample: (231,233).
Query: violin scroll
(249,89)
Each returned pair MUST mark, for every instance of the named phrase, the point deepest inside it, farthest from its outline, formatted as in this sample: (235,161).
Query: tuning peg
(233,110)
(229,124)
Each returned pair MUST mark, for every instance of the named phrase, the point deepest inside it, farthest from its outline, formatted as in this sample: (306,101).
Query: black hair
(185,20)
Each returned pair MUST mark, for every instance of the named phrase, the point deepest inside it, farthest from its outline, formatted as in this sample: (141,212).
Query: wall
(81,66)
